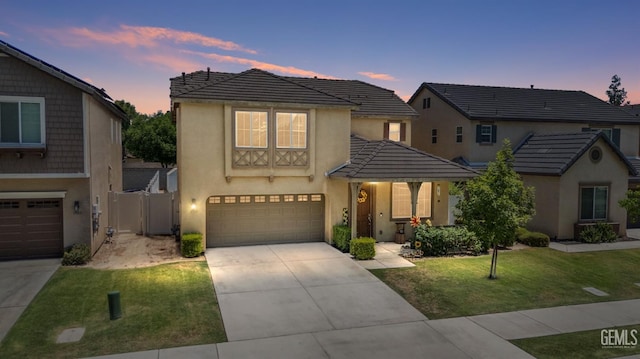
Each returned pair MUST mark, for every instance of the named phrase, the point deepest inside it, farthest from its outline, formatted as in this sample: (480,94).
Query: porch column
(414,188)
(355,190)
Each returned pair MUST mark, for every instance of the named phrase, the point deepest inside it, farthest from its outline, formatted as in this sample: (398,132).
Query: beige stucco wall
(547,204)
(104,161)
(204,164)
(372,128)
(609,171)
(445,119)
(76,227)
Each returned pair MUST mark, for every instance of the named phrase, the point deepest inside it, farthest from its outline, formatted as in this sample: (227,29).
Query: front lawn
(528,278)
(585,344)
(164,306)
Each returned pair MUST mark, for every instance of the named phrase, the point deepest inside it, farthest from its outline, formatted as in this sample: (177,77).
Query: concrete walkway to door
(309,300)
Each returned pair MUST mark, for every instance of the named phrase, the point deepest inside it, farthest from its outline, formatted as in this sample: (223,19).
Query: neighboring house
(632,109)
(145,179)
(468,124)
(264,158)
(60,155)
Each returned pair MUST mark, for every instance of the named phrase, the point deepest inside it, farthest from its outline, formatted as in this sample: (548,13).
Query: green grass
(577,345)
(164,306)
(528,278)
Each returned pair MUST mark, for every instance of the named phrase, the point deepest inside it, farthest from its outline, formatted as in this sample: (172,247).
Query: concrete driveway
(19,283)
(311,301)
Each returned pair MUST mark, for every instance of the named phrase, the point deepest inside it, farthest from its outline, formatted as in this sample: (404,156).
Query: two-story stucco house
(60,155)
(579,175)
(264,158)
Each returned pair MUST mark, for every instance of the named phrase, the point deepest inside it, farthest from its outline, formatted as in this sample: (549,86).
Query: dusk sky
(131,48)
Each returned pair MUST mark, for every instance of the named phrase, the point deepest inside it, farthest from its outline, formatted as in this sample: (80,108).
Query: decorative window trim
(21,144)
(486,133)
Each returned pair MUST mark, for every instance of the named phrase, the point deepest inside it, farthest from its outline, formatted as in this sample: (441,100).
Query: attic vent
(595,155)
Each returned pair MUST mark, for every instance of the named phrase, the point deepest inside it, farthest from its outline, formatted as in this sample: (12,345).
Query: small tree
(496,203)
(631,203)
(616,95)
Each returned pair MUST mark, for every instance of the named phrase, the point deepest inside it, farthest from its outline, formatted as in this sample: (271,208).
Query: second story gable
(468,121)
(44,114)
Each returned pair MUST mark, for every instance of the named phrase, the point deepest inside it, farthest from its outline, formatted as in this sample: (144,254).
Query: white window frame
(483,134)
(592,216)
(395,131)
(291,131)
(251,142)
(24,99)
(401,200)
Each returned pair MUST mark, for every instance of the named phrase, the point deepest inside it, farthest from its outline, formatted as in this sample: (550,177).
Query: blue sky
(131,48)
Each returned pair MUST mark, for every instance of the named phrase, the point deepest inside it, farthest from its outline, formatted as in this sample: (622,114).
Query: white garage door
(264,219)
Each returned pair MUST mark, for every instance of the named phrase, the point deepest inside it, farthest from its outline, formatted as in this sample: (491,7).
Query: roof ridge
(427,153)
(292,80)
(370,157)
(499,87)
(207,83)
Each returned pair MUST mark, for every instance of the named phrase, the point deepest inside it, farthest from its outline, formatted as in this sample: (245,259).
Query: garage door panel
(264,219)
(31,228)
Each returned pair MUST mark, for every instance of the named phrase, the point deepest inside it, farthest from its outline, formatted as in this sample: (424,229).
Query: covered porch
(390,182)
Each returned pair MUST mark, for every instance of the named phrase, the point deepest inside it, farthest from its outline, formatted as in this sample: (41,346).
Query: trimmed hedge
(442,241)
(191,245)
(532,239)
(363,248)
(600,232)
(78,254)
(342,237)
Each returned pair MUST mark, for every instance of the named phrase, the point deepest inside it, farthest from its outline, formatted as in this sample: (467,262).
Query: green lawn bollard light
(115,310)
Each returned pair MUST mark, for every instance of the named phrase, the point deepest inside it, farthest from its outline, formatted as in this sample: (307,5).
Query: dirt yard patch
(134,251)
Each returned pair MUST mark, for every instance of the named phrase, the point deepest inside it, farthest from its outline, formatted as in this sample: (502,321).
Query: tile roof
(554,154)
(635,162)
(527,104)
(632,109)
(261,86)
(98,94)
(391,161)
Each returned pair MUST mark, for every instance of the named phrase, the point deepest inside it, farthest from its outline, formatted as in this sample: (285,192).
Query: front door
(365,208)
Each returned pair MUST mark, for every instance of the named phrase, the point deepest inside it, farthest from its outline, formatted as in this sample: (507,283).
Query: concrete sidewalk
(20,282)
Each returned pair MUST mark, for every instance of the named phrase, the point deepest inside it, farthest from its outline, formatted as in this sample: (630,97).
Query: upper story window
(251,129)
(395,131)
(486,133)
(434,135)
(292,130)
(426,102)
(612,133)
(459,134)
(22,121)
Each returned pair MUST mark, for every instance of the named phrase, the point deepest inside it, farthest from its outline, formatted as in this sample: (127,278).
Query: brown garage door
(264,219)
(30,228)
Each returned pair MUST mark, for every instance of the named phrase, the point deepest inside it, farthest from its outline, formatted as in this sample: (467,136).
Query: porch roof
(390,161)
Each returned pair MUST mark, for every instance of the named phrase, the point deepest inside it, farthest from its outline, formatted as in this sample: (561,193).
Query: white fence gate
(144,212)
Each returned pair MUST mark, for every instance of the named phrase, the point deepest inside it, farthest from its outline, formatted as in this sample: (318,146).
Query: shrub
(363,248)
(342,237)
(78,254)
(442,241)
(532,239)
(191,244)
(600,232)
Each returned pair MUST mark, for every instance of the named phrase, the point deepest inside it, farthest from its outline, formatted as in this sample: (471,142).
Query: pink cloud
(375,76)
(289,70)
(141,36)
(173,63)
(4,34)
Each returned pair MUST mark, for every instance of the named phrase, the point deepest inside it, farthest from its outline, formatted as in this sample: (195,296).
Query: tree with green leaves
(496,203)
(617,95)
(131,112)
(631,203)
(152,138)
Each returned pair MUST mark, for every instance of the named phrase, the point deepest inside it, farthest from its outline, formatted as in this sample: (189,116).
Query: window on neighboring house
(594,202)
(395,131)
(612,133)
(21,121)
(434,135)
(459,134)
(426,102)
(486,133)
(292,130)
(251,129)
(401,201)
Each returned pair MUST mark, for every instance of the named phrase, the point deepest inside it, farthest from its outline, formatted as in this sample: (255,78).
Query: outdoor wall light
(76,207)
(193,204)
(438,190)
